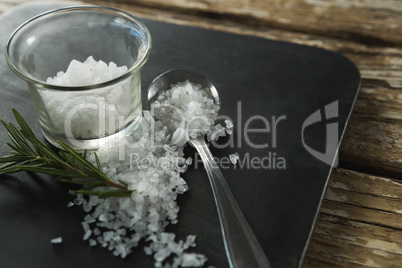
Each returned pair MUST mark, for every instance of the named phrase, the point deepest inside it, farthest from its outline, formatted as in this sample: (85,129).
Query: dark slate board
(269,78)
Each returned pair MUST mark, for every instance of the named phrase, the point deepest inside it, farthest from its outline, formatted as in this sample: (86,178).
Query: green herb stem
(30,154)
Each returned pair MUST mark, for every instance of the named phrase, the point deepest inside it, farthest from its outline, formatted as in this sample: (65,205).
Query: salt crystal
(175,94)
(56,240)
(87,235)
(162,254)
(86,207)
(89,219)
(229,124)
(180,137)
(107,236)
(233,158)
(96,231)
(148,250)
(92,242)
(85,226)
(190,241)
(193,260)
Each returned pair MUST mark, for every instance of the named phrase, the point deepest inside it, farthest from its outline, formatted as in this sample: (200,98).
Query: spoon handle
(242,247)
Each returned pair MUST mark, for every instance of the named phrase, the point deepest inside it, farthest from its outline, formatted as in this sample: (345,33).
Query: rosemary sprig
(30,154)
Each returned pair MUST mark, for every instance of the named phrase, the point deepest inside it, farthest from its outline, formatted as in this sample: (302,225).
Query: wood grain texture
(374,21)
(360,223)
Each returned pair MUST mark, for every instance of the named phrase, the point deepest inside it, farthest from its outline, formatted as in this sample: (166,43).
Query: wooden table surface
(360,223)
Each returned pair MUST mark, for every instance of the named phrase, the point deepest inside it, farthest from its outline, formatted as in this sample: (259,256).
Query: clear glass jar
(83,116)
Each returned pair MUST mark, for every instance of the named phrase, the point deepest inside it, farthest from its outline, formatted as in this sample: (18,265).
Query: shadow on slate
(256,79)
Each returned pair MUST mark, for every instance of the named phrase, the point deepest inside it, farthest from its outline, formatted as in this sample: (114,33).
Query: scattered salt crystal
(229,124)
(162,254)
(233,158)
(148,250)
(56,240)
(118,224)
(87,235)
(180,137)
(89,219)
(97,232)
(193,260)
(70,204)
(190,241)
(86,207)
(107,236)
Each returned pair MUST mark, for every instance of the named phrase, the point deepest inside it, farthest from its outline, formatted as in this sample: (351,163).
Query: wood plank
(359,223)
(373,186)
(357,213)
(315,259)
(343,242)
(381,239)
(375,62)
(378,102)
(327,246)
(373,146)
(366,21)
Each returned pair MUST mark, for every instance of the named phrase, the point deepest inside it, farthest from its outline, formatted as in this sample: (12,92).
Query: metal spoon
(242,247)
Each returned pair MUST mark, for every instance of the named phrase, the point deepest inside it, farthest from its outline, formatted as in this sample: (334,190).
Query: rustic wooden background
(360,223)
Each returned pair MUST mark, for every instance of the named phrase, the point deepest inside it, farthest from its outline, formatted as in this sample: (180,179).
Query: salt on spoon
(242,250)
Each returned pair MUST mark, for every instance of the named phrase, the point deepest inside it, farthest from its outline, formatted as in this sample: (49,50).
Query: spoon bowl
(164,81)
(242,247)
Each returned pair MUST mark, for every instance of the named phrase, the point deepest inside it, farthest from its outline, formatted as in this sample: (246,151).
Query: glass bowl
(87,115)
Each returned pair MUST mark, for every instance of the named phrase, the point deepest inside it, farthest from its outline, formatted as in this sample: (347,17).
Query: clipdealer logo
(332,129)
(246,128)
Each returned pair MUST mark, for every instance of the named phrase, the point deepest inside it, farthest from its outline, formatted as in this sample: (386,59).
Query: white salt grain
(193,260)
(87,235)
(87,122)
(180,137)
(190,111)
(233,158)
(229,124)
(56,240)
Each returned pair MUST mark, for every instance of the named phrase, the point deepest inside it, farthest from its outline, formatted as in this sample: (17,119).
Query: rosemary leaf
(84,161)
(84,182)
(16,149)
(98,162)
(20,139)
(49,171)
(106,194)
(8,170)
(21,122)
(15,158)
